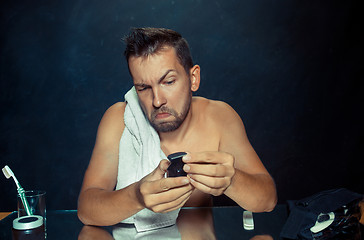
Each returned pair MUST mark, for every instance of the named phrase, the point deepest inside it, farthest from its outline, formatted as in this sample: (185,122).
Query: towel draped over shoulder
(139,154)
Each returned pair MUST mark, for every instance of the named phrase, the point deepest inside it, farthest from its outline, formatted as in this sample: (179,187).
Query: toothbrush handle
(24,201)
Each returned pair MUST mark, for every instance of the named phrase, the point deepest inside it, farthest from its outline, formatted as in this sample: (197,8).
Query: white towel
(139,154)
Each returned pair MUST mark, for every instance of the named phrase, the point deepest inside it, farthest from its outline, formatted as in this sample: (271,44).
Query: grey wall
(293,70)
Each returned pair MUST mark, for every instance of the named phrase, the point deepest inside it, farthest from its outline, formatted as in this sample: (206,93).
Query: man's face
(163,87)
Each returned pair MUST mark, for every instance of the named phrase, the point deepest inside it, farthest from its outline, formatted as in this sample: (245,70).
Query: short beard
(170,125)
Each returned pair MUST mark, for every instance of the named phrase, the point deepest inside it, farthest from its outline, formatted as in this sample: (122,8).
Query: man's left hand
(210,172)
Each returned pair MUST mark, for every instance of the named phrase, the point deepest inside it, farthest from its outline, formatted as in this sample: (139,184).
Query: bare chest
(200,140)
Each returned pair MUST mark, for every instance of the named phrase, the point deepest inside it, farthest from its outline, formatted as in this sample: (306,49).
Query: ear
(195,78)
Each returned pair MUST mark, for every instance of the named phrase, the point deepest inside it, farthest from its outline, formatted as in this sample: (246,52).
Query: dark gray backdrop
(293,70)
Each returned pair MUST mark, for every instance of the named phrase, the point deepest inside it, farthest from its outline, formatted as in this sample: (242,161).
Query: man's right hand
(160,194)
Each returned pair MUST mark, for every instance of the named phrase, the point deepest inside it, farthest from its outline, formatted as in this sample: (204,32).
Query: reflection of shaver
(176,167)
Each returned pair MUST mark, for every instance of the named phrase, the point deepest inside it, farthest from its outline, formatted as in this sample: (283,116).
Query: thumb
(159,172)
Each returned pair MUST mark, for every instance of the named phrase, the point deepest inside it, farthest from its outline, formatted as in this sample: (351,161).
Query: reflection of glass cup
(37,204)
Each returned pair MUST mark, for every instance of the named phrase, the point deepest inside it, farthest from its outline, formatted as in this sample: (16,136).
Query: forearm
(253,192)
(104,208)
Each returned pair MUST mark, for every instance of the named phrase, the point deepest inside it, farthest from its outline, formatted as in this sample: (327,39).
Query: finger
(207,189)
(166,184)
(215,170)
(162,168)
(163,165)
(183,201)
(154,199)
(162,185)
(168,197)
(208,157)
(173,194)
(159,171)
(199,157)
(210,182)
(174,204)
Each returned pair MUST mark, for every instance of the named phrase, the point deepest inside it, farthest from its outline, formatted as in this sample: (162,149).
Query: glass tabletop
(227,221)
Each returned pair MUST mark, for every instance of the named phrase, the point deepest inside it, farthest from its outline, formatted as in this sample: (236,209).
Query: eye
(170,82)
(141,89)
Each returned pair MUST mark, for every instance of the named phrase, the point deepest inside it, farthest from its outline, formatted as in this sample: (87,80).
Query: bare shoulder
(116,110)
(225,121)
(111,125)
(217,110)
(113,117)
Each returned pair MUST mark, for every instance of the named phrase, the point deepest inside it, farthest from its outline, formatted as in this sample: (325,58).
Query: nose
(158,98)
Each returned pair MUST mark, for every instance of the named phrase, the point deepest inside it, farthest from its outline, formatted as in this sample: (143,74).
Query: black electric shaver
(176,167)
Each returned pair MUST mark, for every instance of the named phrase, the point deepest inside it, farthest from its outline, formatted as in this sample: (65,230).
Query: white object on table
(248,221)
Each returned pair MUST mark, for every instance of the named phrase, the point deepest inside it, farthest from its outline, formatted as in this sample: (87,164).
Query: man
(220,159)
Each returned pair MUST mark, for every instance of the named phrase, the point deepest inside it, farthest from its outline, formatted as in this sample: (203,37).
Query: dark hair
(147,41)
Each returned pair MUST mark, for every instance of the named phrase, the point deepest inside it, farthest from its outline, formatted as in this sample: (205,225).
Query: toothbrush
(8,174)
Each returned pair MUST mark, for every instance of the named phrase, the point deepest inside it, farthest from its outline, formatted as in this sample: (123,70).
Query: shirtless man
(220,159)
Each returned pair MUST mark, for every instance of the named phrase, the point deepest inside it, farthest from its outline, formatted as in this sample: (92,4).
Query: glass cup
(37,204)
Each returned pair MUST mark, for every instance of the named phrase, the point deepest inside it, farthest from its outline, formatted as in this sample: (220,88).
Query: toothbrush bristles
(6,172)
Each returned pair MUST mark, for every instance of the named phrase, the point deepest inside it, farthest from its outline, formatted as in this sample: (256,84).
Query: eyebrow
(160,79)
(165,74)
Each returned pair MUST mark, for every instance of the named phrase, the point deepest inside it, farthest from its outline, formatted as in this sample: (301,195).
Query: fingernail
(186,168)
(185,181)
(191,179)
(186,158)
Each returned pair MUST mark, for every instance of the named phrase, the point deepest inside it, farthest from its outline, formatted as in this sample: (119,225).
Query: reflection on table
(227,223)
(98,233)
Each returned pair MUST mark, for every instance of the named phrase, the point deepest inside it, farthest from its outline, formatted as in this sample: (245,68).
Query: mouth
(162,115)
